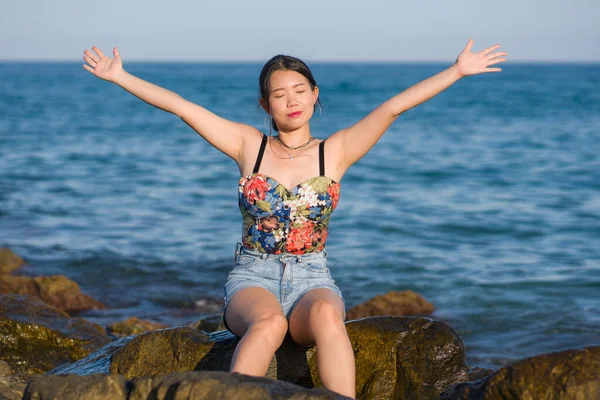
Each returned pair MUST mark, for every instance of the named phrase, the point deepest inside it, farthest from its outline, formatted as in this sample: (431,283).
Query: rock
(392,304)
(9,261)
(564,375)
(56,290)
(210,324)
(36,337)
(222,385)
(396,357)
(199,385)
(5,369)
(12,387)
(90,387)
(133,326)
(208,305)
(405,357)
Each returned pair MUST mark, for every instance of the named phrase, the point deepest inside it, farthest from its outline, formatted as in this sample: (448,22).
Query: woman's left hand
(469,63)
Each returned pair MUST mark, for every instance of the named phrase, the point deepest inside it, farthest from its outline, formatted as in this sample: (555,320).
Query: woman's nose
(292,100)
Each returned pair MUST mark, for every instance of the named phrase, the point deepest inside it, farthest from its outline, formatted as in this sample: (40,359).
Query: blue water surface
(485,199)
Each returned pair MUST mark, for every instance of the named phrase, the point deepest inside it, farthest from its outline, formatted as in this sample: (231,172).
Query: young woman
(289,187)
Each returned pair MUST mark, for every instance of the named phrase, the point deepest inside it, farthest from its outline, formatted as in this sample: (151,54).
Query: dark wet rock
(36,337)
(90,387)
(404,303)
(564,375)
(396,357)
(477,373)
(9,261)
(222,385)
(56,290)
(133,326)
(210,324)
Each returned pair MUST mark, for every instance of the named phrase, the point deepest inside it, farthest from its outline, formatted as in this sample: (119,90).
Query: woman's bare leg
(255,315)
(318,320)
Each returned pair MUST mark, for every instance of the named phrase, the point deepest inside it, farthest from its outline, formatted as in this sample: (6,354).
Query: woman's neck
(297,137)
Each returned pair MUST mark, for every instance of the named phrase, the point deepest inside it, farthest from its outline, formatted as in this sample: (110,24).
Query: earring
(320,109)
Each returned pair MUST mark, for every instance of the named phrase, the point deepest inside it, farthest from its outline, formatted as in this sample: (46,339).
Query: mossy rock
(563,375)
(36,337)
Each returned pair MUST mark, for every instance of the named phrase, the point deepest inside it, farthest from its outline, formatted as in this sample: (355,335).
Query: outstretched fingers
(496,55)
(98,51)
(490,49)
(87,67)
(89,58)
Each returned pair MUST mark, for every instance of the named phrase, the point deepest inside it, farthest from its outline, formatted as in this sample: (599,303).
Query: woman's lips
(294,114)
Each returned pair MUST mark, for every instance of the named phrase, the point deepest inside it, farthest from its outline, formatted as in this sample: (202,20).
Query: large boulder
(396,357)
(36,337)
(201,385)
(406,303)
(56,290)
(564,375)
(9,261)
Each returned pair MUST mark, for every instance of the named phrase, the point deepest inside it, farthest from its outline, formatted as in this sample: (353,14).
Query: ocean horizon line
(308,60)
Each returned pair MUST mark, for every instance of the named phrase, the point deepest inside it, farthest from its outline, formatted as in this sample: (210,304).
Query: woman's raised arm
(225,135)
(354,142)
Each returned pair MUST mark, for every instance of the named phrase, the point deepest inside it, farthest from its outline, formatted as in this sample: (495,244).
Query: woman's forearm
(423,91)
(149,92)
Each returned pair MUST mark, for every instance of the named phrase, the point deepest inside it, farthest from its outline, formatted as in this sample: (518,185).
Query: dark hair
(282,62)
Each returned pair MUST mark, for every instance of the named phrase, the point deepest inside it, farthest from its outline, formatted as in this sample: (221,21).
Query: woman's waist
(306,256)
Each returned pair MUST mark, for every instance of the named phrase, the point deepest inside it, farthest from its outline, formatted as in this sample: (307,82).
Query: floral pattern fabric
(278,220)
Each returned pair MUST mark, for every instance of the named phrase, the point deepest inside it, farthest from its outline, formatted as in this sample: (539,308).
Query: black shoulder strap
(322,158)
(263,144)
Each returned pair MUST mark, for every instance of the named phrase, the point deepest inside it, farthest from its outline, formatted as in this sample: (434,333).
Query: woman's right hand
(102,66)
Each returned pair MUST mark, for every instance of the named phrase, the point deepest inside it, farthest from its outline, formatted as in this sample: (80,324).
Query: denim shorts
(287,276)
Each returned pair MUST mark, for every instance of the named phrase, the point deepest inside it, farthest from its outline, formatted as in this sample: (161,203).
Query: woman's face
(291,99)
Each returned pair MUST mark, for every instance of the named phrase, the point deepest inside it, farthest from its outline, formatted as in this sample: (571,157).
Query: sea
(485,199)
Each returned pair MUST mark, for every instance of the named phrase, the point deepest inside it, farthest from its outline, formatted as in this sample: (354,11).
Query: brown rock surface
(36,337)
(200,385)
(56,290)
(9,261)
(564,375)
(89,387)
(222,385)
(404,303)
(12,387)
(133,326)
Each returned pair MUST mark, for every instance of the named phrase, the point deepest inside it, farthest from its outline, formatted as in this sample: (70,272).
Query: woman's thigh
(249,305)
(304,326)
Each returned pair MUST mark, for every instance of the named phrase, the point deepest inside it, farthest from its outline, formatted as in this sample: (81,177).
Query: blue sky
(325,30)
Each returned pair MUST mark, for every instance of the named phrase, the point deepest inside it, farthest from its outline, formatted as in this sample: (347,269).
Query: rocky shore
(45,353)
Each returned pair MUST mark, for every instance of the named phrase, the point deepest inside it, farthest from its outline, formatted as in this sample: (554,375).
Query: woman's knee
(323,313)
(273,325)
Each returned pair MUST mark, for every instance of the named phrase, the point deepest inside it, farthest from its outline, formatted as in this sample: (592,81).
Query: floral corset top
(278,220)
